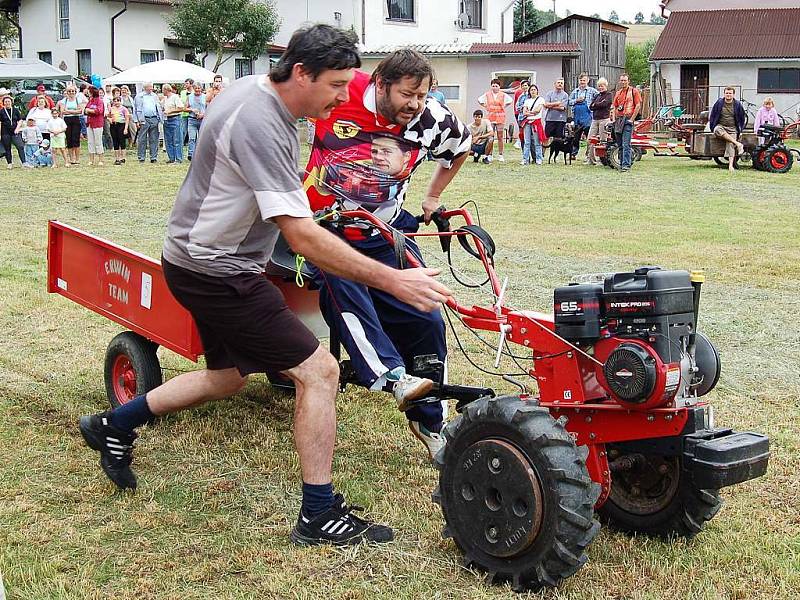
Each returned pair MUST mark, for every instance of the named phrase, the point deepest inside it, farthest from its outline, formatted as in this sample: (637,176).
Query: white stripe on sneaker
(112,439)
(328,524)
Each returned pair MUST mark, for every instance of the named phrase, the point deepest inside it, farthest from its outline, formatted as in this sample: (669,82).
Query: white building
(105,36)
(752,46)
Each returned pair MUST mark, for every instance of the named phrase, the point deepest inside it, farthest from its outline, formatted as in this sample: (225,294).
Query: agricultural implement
(765,150)
(618,426)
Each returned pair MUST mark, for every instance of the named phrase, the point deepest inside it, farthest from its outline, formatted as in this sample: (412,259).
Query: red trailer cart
(129,288)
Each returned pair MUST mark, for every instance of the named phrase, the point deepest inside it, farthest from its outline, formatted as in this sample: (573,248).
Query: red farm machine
(618,426)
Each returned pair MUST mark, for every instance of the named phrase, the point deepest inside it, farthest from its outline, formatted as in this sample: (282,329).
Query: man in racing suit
(363,157)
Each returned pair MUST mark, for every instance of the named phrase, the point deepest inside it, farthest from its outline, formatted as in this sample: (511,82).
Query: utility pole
(554,10)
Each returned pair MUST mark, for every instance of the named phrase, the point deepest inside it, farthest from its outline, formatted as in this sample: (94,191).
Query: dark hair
(217,76)
(497,81)
(533,85)
(190,80)
(94,92)
(405,62)
(478,113)
(318,48)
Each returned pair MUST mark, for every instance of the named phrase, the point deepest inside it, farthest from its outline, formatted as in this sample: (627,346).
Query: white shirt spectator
(174,101)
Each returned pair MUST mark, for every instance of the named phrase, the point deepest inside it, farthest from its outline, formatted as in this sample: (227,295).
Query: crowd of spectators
(107,118)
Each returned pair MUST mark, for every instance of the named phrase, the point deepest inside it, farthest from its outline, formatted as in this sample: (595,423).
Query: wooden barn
(602,46)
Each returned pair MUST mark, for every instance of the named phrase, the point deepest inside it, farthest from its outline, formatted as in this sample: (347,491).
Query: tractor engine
(642,327)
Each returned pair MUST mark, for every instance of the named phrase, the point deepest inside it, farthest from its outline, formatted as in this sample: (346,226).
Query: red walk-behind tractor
(618,427)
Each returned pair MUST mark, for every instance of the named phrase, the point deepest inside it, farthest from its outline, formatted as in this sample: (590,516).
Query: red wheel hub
(124,378)
(779,160)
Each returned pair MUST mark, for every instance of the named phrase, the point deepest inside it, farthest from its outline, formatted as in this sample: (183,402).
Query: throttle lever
(442,225)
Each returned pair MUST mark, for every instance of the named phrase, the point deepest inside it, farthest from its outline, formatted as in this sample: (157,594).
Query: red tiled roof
(744,33)
(514,48)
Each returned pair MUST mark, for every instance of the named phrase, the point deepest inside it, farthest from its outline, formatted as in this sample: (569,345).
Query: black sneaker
(114,445)
(338,526)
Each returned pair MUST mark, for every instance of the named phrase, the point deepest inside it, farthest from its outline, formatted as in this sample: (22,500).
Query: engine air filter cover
(630,371)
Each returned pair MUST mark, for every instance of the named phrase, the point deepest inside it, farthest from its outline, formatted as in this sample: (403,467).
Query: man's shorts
(479,148)
(720,131)
(243,321)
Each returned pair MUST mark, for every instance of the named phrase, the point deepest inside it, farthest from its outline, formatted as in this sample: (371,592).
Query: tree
(225,26)
(639,18)
(596,16)
(657,19)
(613,17)
(8,30)
(527,18)
(637,61)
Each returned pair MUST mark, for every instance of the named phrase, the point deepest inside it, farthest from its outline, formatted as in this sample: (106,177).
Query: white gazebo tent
(162,71)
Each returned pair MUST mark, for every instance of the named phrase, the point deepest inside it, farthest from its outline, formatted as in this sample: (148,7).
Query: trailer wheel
(131,368)
(281,384)
(612,156)
(654,496)
(778,160)
(723,162)
(636,153)
(515,493)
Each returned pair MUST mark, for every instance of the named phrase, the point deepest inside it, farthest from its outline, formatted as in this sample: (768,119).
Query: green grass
(219,485)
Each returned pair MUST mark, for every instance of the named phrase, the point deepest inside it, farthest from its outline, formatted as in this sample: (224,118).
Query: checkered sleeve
(448,137)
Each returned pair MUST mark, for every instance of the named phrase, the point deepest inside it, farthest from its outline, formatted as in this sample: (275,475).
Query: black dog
(563,145)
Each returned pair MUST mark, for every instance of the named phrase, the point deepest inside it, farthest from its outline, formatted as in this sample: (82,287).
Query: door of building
(694,89)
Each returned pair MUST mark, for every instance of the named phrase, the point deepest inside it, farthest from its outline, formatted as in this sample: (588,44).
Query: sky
(626,10)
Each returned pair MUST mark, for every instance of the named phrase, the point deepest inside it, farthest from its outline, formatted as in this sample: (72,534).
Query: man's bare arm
(416,287)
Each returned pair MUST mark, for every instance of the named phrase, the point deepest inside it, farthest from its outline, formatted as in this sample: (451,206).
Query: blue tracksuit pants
(379,332)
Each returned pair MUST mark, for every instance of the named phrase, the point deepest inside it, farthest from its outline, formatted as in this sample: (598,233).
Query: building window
(401,10)
(148,56)
(785,81)
(46,57)
(470,14)
(605,47)
(84,62)
(242,67)
(451,92)
(63,19)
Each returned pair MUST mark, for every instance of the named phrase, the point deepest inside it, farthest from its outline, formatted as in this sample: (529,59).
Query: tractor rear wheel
(778,160)
(515,493)
(131,368)
(758,160)
(653,495)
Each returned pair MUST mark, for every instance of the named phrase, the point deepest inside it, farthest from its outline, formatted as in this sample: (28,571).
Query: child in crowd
(43,157)
(31,136)
(58,137)
(118,118)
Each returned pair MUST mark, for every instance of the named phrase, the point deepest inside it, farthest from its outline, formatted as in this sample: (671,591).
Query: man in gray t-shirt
(556,101)
(242,189)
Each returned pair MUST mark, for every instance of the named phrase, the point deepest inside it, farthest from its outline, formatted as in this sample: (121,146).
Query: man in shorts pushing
(242,189)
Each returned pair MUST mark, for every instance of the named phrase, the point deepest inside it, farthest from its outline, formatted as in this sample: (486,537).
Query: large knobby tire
(515,493)
(636,153)
(656,497)
(778,160)
(131,368)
